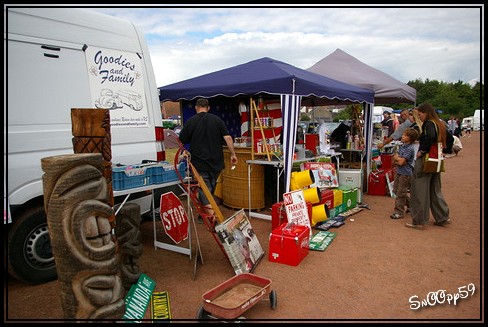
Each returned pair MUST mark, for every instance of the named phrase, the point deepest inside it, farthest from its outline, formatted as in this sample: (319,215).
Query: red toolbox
(288,244)
(377,181)
(278,214)
(386,161)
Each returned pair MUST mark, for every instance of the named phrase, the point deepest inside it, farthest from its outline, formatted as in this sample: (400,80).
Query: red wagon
(236,295)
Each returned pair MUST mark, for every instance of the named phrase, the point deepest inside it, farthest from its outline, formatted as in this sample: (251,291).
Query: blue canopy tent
(293,85)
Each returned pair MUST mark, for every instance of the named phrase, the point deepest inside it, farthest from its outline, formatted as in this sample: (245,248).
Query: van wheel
(30,258)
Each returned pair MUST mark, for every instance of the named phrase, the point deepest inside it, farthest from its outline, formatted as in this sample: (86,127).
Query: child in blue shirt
(404,160)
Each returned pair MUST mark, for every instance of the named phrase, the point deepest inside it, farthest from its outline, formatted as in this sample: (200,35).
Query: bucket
(319,214)
(300,179)
(312,195)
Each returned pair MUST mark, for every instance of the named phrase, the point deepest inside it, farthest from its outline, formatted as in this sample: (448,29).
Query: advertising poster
(117,83)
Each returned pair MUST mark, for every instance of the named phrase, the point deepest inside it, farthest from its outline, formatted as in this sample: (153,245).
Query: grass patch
(170,155)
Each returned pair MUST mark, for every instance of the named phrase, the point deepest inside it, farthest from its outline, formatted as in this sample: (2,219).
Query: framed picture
(324,173)
(240,242)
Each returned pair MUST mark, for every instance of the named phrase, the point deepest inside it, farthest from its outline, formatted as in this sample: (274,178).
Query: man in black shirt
(205,133)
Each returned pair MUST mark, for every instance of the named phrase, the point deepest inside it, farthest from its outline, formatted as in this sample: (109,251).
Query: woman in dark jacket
(425,191)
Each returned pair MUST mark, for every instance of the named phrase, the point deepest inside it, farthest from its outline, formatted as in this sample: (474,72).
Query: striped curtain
(368,139)
(290,111)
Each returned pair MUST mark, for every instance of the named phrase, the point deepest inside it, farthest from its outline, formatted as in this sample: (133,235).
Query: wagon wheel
(273,298)
(202,314)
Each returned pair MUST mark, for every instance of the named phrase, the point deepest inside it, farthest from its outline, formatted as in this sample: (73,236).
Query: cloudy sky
(441,43)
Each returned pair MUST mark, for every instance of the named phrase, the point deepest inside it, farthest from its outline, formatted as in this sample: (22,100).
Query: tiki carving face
(75,193)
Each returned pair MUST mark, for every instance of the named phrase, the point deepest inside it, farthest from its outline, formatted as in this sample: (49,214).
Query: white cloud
(437,43)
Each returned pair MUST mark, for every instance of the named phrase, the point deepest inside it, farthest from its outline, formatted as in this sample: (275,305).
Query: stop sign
(174,218)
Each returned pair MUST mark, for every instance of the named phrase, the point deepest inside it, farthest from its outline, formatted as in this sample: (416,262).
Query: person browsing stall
(205,133)
(425,192)
(404,160)
(397,134)
(388,122)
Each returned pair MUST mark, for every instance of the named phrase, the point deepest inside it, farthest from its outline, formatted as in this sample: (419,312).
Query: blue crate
(132,176)
(165,172)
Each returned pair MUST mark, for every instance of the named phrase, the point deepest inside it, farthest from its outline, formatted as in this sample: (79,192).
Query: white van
(58,59)
(467,121)
(478,122)
(378,113)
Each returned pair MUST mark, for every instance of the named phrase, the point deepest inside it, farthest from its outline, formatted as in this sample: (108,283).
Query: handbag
(434,160)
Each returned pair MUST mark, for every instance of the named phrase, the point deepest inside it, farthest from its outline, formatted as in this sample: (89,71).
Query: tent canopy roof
(343,67)
(264,75)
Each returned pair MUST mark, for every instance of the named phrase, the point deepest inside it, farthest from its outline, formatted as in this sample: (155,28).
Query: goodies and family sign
(117,83)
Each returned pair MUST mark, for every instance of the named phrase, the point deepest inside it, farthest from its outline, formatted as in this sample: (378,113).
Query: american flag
(274,108)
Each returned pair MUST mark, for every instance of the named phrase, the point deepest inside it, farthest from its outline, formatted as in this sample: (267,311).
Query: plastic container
(132,176)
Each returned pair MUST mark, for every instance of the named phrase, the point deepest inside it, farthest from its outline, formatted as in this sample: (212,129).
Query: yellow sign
(160,308)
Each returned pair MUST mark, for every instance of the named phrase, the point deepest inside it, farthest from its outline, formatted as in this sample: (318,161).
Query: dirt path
(375,269)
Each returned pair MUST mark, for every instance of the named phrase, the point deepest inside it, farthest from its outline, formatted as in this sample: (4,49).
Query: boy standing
(404,160)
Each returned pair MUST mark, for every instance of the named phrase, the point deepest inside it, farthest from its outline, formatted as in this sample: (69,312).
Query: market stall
(343,67)
(293,87)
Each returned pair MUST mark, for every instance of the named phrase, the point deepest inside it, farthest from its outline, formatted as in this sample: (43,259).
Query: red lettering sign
(173,217)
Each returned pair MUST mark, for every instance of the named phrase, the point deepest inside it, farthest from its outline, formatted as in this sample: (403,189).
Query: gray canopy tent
(343,67)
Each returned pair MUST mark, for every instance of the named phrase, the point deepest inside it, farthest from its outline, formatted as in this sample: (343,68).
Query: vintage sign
(117,83)
(174,218)
(296,208)
(160,308)
(138,298)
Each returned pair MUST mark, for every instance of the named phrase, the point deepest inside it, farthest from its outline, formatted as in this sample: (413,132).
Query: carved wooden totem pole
(91,134)
(78,212)
(129,237)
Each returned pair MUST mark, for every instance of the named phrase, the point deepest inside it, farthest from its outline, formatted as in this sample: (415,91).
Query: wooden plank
(207,193)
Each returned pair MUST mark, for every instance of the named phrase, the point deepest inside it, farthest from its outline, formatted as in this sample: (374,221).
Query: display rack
(260,114)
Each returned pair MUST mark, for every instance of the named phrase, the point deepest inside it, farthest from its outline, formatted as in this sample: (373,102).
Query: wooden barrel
(235,183)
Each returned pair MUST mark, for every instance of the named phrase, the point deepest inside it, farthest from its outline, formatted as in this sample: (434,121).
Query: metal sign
(174,218)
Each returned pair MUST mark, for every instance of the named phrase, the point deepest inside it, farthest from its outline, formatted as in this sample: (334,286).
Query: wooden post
(78,212)
(91,134)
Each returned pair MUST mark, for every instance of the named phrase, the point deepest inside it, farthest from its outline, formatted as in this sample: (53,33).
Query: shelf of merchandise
(258,112)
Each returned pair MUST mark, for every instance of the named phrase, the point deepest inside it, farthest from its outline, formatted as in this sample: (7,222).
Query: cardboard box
(288,244)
